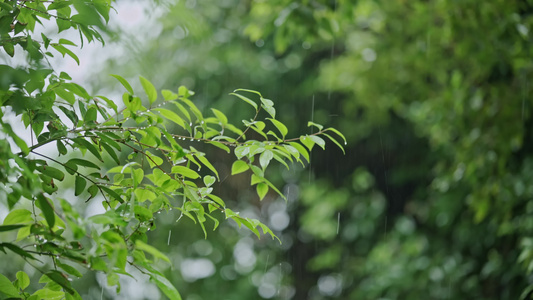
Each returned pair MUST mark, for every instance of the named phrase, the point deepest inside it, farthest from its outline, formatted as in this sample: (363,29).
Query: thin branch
(75,171)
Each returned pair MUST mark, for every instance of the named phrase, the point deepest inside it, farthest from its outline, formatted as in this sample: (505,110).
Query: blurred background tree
(431,200)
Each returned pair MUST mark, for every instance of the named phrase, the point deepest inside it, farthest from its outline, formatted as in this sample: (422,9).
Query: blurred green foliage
(431,201)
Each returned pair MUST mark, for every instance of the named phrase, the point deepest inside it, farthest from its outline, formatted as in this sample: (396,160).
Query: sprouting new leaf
(149,89)
(239,166)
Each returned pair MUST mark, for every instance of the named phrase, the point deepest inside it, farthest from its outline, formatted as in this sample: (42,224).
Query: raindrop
(168,241)
(170,208)
(158,212)
(148,229)
(190,124)
(345,143)
(338,222)
(198,168)
(266,264)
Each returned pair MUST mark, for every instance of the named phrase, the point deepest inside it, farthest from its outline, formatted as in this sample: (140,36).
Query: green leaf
(89,146)
(142,213)
(220,116)
(268,106)
(60,279)
(111,152)
(246,99)
(76,89)
(214,220)
(169,95)
(51,172)
(150,249)
(9,48)
(69,269)
(66,42)
(239,166)
(338,133)
(242,151)
(90,116)
(79,185)
(300,149)
(262,190)
(265,158)
(308,142)
(220,145)
(149,89)
(67,95)
(209,180)
(93,190)
(335,141)
(138,176)
(83,162)
(206,162)
(6,7)
(17,250)
(318,140)
(7,288)
(64,51)
(165,286)
(124,83)
(47,209)
(172,116)
(184,171)
(249,91)
(11,227)
(280,126)
(18,216)
(23,280)
(61,148)
(309,124)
